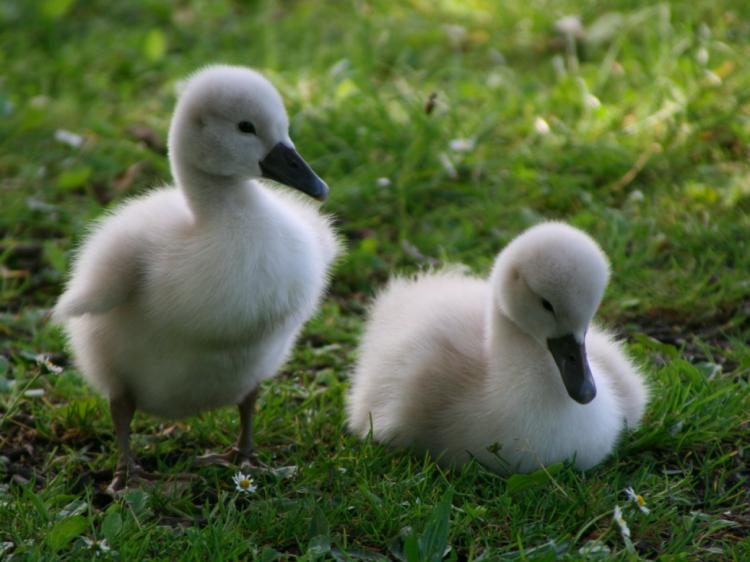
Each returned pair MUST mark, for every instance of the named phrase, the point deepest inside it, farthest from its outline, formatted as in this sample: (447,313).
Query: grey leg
(247,407)
(243,453)
(122,409)
(128,472)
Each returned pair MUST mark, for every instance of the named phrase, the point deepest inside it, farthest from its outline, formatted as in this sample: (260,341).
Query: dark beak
(570,357)
(284,165)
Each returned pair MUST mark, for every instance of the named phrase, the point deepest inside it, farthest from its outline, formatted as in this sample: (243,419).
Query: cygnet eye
(246,127)
(548,306)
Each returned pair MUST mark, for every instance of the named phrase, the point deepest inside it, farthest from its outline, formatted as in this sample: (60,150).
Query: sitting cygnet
(185,299)
(509,370)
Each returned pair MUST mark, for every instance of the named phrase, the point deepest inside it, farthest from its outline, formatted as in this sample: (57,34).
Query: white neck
(509,346)
(210,195)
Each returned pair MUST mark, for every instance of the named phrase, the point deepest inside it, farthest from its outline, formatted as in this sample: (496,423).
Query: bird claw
(232,457)
(135,476)
(129,476)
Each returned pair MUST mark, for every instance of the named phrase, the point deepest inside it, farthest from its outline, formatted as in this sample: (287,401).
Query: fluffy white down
(189,296)
(443,368)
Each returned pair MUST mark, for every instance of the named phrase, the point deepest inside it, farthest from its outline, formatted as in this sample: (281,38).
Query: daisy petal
(638,500)
(621,523)
(244,483)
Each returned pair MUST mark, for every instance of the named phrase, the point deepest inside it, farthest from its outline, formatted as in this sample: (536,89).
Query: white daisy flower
(702,56)
(624,529)
(541,126)
(448,166)
(98,545)
(713,79)
(44,360)
(383,182)
(69,138)
(636,196)
(591,101)
(638,500)
(457,34)
(462,145)
(244,483)
(570,25)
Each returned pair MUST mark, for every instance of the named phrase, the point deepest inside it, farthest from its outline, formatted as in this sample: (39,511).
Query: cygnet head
(230,122)
(549,281)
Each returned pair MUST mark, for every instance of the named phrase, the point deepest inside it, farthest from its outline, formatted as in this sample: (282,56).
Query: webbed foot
(232,457)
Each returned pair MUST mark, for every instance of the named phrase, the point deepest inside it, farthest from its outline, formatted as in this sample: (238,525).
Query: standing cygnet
(185,299)
(509,371)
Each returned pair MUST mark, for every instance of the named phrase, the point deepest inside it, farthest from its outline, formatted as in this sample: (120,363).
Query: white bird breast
(226,286)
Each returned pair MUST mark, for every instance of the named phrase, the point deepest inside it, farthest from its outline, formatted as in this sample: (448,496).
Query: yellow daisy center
(244,483)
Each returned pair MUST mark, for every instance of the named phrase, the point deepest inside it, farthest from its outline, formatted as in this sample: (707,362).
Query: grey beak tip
(322,193)
(570,358)
(585,395)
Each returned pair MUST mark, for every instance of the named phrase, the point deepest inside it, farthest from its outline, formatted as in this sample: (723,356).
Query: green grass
(656,168)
